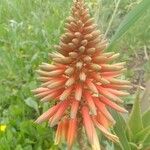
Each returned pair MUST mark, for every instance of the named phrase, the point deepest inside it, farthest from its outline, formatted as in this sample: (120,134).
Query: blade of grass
(135,120)
(112,17)
(130,20)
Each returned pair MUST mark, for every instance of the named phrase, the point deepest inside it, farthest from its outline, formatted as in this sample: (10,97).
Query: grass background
(28,31)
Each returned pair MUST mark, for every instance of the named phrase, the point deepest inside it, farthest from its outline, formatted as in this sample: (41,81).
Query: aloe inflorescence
(82,80)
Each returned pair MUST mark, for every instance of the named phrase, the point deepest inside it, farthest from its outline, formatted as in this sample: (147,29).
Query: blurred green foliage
(134,132)
(28,31)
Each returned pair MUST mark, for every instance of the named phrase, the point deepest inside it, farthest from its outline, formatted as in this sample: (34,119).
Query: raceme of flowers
(81,82)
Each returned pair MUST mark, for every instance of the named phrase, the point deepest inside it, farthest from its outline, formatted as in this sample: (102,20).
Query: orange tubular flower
(82,80)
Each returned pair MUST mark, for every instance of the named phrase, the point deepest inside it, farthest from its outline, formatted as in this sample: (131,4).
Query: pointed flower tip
(58,135)
(122,110)
(126,111)
(37,121)
(72,132)
(33,90)
(53,124)
(117,140)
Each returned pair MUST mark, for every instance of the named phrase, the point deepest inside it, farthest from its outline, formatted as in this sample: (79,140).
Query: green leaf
(130,20)
(142,135)
(135,119)
(146,118)
(146,143)
(119,129)
(31,103)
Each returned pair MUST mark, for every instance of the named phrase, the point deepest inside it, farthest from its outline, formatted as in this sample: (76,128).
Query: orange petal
(112,104)
(111,74)
(90,101)
(87,123)
(95,67)
(48,67)
(113,57)
(118,81)
(66,93)
(110,136)
(42,73)
(107,67)
(58,115)
(40,90)
(74,109)
(78,92)
(100,59)
(56,83)
(65,128)
(72,131)
(70,81)
(108,54)
(52,95)
(117,92)
(91,86)
(95,145)
(69,71)
(45,84)
(63,60)
(44,79)
(117,86)
(73,54)
(54,73)
(103,120)
(103,110)
(109,95)
(91,50)
(58,134)
(90,130)
(43,94)
(45,116)
(97,77)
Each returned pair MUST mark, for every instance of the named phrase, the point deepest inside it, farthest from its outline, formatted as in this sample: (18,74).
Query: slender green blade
(146,118)
(135,120)
(120,129)
(130,20)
